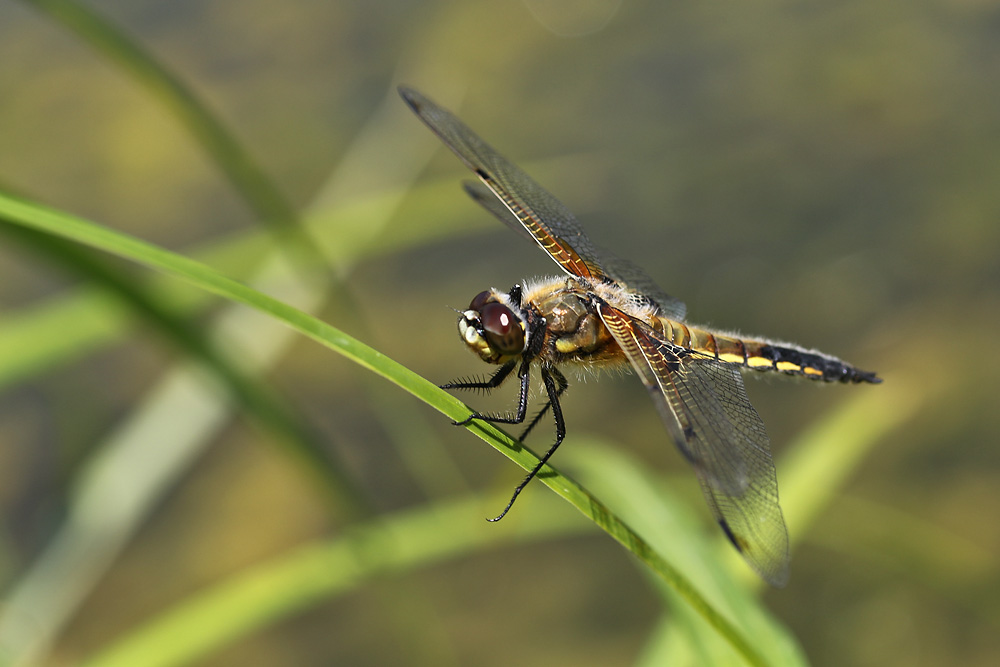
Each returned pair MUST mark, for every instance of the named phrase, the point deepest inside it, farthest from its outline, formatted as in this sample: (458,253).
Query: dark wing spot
(737,542)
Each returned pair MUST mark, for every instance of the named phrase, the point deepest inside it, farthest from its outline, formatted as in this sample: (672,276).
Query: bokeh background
(818,172)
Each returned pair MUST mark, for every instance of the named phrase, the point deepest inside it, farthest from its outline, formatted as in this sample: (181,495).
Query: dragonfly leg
(555,383)
(495,380)
(522,404)
(562,385)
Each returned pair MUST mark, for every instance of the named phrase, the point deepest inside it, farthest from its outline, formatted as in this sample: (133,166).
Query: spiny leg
(561,381)
(522,404)
(495,380)
(555,384)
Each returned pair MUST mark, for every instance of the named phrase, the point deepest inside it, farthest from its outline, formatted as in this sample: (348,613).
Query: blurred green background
(818,172)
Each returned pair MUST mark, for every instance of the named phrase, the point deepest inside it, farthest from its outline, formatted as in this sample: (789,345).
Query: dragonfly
(606,312)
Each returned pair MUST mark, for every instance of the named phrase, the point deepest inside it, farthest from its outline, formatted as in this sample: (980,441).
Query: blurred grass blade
(269,205)
(956,568)
(76,229)
(825,455)
(821,459)
(258,401)
(818,464)
(45,596)
(32,338)
(668,523)
(318,572)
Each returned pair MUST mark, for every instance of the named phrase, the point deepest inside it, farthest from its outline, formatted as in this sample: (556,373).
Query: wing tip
(412,98)
(777,579)
(776,574)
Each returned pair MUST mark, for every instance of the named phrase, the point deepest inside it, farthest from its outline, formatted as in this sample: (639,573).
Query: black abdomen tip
(866,376)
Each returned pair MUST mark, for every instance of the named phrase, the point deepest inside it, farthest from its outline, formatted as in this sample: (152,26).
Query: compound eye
(503,330)
(480,301)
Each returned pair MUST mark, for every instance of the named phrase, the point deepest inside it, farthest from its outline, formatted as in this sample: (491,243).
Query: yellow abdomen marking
(759,362)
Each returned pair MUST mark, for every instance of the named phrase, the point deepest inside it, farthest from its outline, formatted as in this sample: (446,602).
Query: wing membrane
(638,282)
(706,410)
(546,219)
(630,276)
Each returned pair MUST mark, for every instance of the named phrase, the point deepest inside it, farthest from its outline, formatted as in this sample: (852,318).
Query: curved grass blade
(267,202)
(43,219)
(320,571)
(32,340)
(259,402)
(670,526)
(832,448)
(817,464)
(47,594)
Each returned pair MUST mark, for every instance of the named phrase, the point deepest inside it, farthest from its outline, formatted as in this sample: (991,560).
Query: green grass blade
(832,448)
(43,219)
(320,571)
(242,171)
(667,521)
(19,211)
(818,463)
(31,339)
(46,595)
(259,402)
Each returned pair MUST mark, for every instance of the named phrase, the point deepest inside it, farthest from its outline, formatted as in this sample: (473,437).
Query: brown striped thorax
(605,311)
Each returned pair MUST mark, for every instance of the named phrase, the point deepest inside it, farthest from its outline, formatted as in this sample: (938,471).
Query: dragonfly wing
(705,408)
(546,219)
(483,196)
(638,282)
(629,275)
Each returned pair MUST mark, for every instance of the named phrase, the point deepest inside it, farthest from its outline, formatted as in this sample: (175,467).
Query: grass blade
(43,219)
(321,571)
(667,521)
(31,338)
(257,400)
(246,176)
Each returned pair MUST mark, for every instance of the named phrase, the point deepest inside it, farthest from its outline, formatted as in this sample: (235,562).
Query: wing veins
(545,217)
(704,406)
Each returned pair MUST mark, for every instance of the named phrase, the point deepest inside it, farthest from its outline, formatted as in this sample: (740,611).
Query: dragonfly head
(493,327)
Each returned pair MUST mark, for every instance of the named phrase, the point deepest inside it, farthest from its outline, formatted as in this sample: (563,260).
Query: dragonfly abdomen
(762,355)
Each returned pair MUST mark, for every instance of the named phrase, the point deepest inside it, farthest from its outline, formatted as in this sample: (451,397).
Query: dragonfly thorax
(573,330)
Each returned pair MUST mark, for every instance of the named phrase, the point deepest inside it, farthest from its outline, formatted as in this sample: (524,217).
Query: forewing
(483,196)
(629,275)
(546,219)
(705,408)
(752,520)
(637,281)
